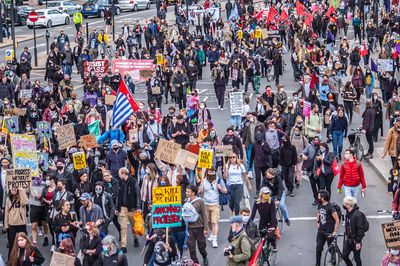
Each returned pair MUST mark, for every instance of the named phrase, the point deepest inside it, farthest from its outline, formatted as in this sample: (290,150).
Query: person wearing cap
(267,211)
(116,158)
(106,203)
(89,211)
(239,251)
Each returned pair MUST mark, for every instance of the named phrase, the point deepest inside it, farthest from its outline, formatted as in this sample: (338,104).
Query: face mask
(271,129)
(246,219)
(92,113)
(319,200)
(212,135)
(282,90)
(171,111)
(205,127)
(347,156)
(251,120)
(267,196)
(105,248)
(296,98)
(47,183)
(21,244)
(147,171)
(163,184)
(211,178)
(115,148)
(5,102)
(191,140)
(98,190)
(299,122)
(205,145)
(394,97)
(28,128)
(202,106)
(344,207)
(174,121)
(323,150)
(97,153)
(79,120)
(99,103)
(395,252)
(60,167)
(141,107)
(297,133)
(70,109)
(375,98)
(316,143)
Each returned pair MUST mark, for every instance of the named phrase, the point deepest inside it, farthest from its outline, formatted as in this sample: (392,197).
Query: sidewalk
(381,166)
(19,39)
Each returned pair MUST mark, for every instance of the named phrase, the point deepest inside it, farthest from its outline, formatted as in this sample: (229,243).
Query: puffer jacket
(242,250)
(351,174)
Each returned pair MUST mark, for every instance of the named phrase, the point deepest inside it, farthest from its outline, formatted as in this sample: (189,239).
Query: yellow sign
(9,55)
(160,59)
(4,126)
(166,195)
(258,34)
(240,35)
(79,160)
(205,159)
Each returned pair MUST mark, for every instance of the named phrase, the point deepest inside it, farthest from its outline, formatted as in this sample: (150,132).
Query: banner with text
(133,67)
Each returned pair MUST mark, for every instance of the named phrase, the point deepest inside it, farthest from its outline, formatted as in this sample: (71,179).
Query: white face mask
(395,252)
(375,98)
(246,219)
(347,156)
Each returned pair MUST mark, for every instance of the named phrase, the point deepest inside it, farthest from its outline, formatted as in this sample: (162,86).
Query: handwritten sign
(166,208)
(223,61)
(146,73)
(89,141)
(4,126)
(25,94)
(12,124)
(18,178)
(258,34)
(160,59)
(20,111)
(167,150)
(264,33)
(205,159)
(66,136)
(236,103)
(59,259)
(43,160)
(222,151)
(79,160)
(391,233)
(306,109)
(24,152)
(186,159)
(133,135)
(110,99)
(44,129)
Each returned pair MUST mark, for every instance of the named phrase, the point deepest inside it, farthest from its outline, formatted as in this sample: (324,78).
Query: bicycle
(355,143)
(333,256)
(266,255)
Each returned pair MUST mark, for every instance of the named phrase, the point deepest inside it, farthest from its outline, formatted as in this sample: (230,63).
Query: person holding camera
(239,250)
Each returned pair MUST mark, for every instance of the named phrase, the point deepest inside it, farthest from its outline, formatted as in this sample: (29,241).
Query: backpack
(252,245)
(365,222)
(223,198)
(338,210)
(189,213)
(120,257)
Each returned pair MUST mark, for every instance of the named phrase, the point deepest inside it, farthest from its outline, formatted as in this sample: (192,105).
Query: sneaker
(136,243)
(232,214)
(215,242)
(288,223)
(53,248)
(40,232)
(211,237)
(205,261)
(46,241)
(298,185)
(368,156)
(292,194)
(124,250)
(340,157)
(250,175)
(274,248)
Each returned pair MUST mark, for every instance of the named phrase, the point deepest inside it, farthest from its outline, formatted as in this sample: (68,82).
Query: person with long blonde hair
(24,253)
(90,245)
(150,181)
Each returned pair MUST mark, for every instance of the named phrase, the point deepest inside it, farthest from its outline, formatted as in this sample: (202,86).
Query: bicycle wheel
(332,257)
(279,218)
(271,258)
(359,150)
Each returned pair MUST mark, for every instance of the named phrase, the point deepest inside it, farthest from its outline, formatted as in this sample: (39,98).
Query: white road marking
(205,99)
(315,218)
(251,96)
(200,92)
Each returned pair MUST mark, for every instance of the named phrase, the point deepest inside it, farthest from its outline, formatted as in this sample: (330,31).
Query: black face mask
(115,148)
(344,207)
(60,167)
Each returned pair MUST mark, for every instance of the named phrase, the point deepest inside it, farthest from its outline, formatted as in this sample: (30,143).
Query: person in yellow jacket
(78,19)
(104,40)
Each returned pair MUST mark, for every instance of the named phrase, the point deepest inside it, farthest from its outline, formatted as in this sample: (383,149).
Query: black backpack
(338,210)
(365,221)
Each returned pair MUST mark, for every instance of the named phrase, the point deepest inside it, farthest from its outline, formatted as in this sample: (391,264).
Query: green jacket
(242,250)
(202,57)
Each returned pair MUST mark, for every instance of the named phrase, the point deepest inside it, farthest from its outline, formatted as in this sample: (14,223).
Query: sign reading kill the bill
(18,178)
(166,207)
(167,150)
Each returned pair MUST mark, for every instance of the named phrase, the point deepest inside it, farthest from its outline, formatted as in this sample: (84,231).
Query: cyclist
(278,193)
(266,210)
(327,223)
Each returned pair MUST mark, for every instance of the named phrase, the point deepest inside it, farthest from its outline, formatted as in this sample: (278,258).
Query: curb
(22,41)
(377,171)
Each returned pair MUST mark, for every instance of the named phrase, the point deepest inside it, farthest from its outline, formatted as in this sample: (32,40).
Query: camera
(230,250)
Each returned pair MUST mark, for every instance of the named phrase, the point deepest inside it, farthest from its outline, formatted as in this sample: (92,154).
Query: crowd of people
(275,141)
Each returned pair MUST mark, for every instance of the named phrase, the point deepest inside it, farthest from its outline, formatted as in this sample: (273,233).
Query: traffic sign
(9,55)
(33,16)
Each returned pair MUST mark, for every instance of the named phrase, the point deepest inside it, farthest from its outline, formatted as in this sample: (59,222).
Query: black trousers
(196,235)
(220,93)
(314,182)
(348,247)
(348,106)
(322,237)
(325,181)
(370,140)
(287,175)
(260,173)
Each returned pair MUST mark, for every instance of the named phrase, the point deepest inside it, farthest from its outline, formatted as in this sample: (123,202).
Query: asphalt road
(297,246)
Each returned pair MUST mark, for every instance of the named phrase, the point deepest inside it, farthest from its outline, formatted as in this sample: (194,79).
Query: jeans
(247,81)
(348,247)
(235,121)
(282,205)
(370,140)
(369,91)
(179,238)
(192,176)
(236,197)
(337,140)
(67,70)
(351,191)
(248,152)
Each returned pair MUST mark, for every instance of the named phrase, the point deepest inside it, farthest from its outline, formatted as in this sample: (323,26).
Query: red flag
(330,11)
(308,21)
(314,35)
(299,8)
(284,15)
(259,15)
(257,253)
(363,50)
(395,54)
(272,14)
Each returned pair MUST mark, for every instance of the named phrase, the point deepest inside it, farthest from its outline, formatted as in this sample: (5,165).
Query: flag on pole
(284,15)
(330,11)
(374,67)
(272,14)
(299,8)
(234,13)
(124,106)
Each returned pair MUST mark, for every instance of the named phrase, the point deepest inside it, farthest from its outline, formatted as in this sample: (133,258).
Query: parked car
(21,16)
(134,5)
(49,18)
(65,7)
(97,8)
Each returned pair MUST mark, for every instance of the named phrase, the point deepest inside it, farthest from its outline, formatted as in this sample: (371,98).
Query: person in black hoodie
(111,185)
(287,160)
(106,203)
(368,126)
(231,139)
(261,156)
(81,128)
(356,225)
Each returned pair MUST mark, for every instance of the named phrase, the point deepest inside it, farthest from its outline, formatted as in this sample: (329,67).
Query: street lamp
(12,27)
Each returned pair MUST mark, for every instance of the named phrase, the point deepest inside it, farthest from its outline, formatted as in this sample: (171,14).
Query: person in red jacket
(351,175)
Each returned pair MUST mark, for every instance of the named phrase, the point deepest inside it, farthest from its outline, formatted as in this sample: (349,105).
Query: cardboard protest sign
(264,33)
(133,135)
(240,34)
(223,61)
(205,159)
(89,141)
(145,73)
(4,126)
(160,59)
(391,233)
(222,151)
(306,109)
(167,150)
(43,160)
(24,152)
(44,129)
(79,160)
(166,208)
(258,34)
(110,99)
(236,103)
(66,136)
(20,111)
(12,124)
(60,259)
(18,178)
(25,94)
(186,159)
